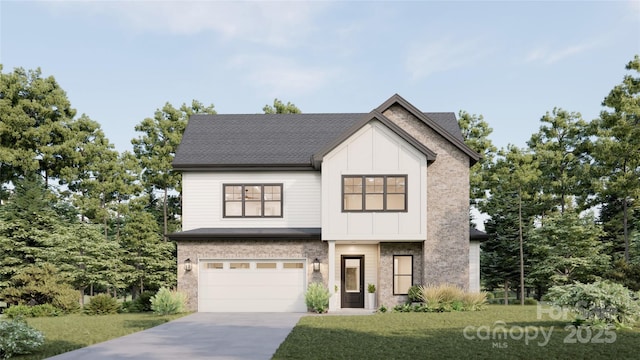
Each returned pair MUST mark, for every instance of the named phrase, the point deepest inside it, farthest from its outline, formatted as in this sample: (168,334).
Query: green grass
(70,332)
(441,336)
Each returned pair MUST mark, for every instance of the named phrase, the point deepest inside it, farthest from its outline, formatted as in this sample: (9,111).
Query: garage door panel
(259,288)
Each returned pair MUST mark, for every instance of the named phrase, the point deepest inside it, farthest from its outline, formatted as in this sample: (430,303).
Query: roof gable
(374,115)
(444,126)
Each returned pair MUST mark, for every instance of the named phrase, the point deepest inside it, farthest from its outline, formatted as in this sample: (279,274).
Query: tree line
(75,207)
(565,207)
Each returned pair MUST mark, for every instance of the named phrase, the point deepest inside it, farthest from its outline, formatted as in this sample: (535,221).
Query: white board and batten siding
(202,202)
(374,150)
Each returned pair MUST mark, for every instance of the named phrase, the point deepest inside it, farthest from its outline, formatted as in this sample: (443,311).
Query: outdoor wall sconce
(316,265)
(187,265)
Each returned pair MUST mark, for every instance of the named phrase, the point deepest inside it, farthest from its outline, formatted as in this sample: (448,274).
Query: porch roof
(247,233)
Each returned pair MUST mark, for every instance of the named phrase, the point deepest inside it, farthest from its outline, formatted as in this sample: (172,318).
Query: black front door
(352,281)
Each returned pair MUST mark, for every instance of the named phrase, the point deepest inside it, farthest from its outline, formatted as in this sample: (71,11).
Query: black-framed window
(362,193)
(252,200)
(402,274)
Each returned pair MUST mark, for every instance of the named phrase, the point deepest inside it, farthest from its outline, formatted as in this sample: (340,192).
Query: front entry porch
(391,266)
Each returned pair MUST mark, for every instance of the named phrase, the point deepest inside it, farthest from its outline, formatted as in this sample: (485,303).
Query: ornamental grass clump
(168,302)
(317,298)
(16,337)
(446,297)
(474,301)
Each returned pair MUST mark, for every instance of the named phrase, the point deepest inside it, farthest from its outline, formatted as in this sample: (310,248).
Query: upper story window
(374,193)
(252,200)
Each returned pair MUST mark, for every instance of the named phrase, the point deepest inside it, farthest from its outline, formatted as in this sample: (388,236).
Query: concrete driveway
(199,336)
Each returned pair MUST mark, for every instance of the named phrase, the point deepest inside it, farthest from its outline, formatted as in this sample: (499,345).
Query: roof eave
(397,99)
(317,158)
(248,233)
(244,167)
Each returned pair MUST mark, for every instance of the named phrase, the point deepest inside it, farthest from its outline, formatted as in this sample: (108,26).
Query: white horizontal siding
(202,201)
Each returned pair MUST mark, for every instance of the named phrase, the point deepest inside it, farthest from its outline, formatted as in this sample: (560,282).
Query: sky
(509,61)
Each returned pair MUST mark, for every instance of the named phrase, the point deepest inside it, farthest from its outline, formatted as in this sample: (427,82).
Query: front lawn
(500,332)
(70,332)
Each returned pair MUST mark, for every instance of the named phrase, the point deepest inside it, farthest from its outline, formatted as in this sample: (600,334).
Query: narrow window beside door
(402,274)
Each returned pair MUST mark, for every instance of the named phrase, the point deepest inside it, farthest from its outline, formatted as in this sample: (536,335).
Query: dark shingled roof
(258,139)
(477,235)
(246,233)
(286,141)
(448,122)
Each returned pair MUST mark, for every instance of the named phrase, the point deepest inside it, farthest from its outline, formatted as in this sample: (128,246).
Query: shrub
(16,337)
(382,309)
(20,311)
(42,284)
(414,294)
(140,304)
(167,302)
(143,301)
(128,307)
(602,302)
(403,308)
(102,304)
(44,310)
(530,301)
(457,305)
(490,295)
(317,298)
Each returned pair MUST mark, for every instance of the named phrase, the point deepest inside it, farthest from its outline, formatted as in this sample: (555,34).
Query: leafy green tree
(569,249)
(156,148)
(562,158)
(618,145)
(35,132)
(476,131)
(281,108)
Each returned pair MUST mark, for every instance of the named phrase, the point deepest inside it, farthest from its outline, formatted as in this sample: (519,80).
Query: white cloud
(635,6)
(549,56)
(271,23)
(442,55)
(278,76)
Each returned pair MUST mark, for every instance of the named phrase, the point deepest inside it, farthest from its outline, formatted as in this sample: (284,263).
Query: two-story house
(274,202)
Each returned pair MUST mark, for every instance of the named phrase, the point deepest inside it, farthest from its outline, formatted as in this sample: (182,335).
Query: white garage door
(251,286)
